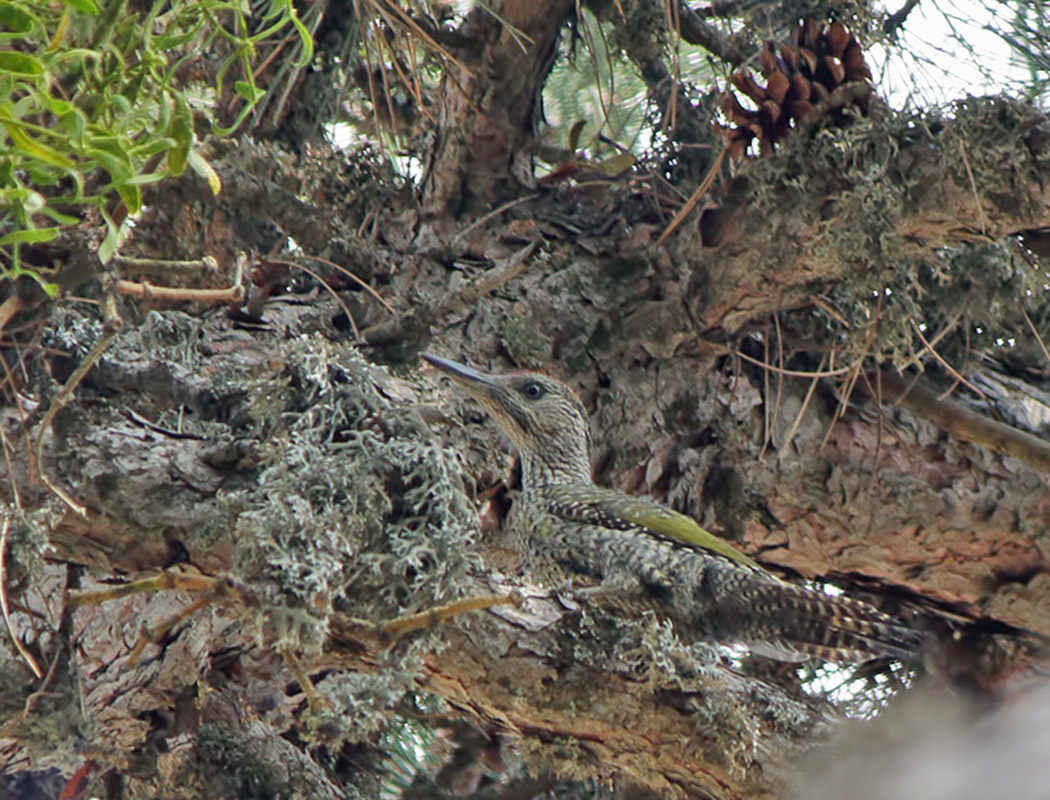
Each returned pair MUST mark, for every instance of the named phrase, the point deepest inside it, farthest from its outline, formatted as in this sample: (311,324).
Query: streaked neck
(567,468)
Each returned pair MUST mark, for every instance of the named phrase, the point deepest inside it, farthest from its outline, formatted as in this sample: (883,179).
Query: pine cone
(818,74)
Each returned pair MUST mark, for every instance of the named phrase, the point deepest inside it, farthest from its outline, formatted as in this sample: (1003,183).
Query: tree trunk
(264,463)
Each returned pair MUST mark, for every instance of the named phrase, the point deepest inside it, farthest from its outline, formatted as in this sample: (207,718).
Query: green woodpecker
(631,553)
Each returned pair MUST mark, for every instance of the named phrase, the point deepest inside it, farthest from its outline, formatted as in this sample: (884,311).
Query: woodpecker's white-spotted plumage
(632,553)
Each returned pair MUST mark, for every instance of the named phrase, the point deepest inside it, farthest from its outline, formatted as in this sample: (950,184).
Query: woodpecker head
(543,418)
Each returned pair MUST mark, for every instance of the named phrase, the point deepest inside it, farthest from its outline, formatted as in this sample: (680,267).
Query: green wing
(616,510)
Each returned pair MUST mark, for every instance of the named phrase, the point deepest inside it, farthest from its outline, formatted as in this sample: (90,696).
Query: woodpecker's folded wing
(615,510)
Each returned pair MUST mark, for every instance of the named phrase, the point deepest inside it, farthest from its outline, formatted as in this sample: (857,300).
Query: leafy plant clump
(99,100)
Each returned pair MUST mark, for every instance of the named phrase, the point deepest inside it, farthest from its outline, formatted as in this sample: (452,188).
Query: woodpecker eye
(533,390)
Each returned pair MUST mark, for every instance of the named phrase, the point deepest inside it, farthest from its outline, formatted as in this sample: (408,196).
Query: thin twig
(411,86)
(236,293)
(767,422)
(796,373)
(877,392)
(364,222)
(362,23)
(9,308)
(973,188)
(915,359)
(494,213)
(7,731)
(675,28)
(147,291)
(844,396)
(377,29)
(731,48)
(780,378)
(519,36)
(315,702)
(948,367)
(805,404)
(896,19)
(182,582)
(823,304)
(592,52)
(149,635)
(112,324)
(854,373)
(433,45)
(694,198)
(26,656)
(9,377)
(10,467)
(1038,338)
(288,65)
(513,266)
(420,317)
(348,274)
(390,630)
(321,281)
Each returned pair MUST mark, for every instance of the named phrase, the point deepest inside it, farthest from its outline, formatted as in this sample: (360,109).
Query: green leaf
(147,149)
(74,53)
(16,20)
(45,174)
(32,202)
(21,64)
(87,6)
(109,244)
(118,168)
(30,146)
(61,219)
(30,236)
(169,41)
(130,195)
(206,171)
(614,165)
(51,289)
(249,92)
(241,116)
(181,131)
(74,124)
(145,179)
(304,37)
(55,105)
(112,146)
(121,102)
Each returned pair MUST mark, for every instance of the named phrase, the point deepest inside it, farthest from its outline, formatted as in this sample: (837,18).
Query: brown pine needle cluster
(819,72)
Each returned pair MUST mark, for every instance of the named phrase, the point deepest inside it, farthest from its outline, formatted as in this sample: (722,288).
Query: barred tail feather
(791,623)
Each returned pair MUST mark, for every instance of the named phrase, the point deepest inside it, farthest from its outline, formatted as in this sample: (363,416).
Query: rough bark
(581,695)
(482,154)
(216,450)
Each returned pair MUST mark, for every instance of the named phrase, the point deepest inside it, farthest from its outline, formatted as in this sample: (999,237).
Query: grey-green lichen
(568,758)
(359,704)
(878,290)
(357,508)
(982,143)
